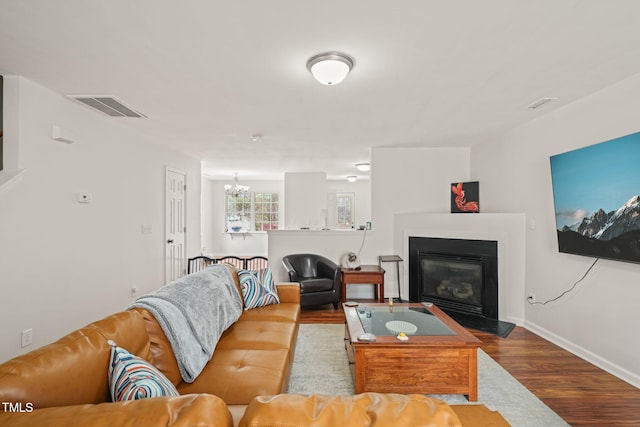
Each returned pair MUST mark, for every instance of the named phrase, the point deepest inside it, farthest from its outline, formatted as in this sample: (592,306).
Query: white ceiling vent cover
(108,104)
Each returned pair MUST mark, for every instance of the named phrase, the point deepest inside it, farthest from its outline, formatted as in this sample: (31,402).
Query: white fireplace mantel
(508,229)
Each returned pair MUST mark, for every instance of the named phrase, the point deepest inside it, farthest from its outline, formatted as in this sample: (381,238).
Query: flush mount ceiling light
(330,68)
(363,167)
(352,178)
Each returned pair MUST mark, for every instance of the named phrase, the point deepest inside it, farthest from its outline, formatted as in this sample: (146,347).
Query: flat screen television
(596,197)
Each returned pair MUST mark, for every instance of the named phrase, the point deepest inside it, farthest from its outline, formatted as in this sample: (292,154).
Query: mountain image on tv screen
(596,193)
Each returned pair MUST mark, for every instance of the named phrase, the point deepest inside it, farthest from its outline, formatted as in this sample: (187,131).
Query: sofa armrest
(289,292)
(187,410)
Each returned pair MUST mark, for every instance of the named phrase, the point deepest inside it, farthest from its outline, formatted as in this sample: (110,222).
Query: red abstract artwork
(465,197)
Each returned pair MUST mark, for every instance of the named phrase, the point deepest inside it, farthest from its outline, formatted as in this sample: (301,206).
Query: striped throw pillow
(132,378)
(258,288)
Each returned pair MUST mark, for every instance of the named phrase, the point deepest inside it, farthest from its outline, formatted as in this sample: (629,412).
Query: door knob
(170,241)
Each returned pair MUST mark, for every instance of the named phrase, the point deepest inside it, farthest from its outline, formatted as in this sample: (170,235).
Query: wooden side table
(366,274)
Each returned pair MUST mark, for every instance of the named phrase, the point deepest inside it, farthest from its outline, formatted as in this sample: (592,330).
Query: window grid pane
(252,212)
(344,210)
(266,211)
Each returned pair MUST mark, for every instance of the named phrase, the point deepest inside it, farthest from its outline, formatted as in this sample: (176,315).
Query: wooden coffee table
(440,358)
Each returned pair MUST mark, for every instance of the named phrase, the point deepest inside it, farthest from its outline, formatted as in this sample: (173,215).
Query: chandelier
(236,189)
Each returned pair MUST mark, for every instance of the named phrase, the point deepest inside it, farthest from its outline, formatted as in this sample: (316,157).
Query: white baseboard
(585,354)
(517,320)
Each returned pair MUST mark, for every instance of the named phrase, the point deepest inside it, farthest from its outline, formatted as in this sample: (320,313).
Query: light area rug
(320,366)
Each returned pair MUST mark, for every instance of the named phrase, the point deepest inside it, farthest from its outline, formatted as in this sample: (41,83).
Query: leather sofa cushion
(259,335)
(73,370)
(287,311)
(362,410)
(283,312)
(181,411)
(237,376)
(252,357)
(315,284)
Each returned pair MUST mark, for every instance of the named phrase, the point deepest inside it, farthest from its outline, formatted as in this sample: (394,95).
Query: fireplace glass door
(452,281)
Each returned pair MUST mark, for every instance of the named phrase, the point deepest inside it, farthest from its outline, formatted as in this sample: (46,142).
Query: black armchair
(319,278)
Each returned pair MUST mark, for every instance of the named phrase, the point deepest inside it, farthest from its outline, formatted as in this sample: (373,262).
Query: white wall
(413,180)
(209,228)
(64,264)
(598,319)
(305,199)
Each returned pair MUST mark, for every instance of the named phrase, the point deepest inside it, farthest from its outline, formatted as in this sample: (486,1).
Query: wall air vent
(108,104)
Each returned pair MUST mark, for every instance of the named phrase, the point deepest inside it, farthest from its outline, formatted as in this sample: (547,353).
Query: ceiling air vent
(109,105)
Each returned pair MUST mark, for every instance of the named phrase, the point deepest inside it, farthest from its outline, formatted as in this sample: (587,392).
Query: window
(344,210)
(247,212)
(265,211)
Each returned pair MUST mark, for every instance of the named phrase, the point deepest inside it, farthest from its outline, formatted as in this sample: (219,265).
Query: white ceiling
(210,74)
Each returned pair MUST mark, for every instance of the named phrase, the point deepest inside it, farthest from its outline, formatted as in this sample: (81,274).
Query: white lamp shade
(330,68)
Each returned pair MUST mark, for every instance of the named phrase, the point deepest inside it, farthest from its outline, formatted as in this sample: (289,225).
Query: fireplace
(457,275)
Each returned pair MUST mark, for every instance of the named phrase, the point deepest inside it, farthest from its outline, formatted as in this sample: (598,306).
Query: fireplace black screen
(455,274)
(457,280)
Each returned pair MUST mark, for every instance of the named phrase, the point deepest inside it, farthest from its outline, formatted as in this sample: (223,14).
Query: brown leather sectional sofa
(65,383)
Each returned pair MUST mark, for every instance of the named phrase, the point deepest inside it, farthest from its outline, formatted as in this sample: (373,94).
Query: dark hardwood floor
(581,393)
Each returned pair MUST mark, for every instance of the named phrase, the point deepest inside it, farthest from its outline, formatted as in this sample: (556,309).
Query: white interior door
(175,226)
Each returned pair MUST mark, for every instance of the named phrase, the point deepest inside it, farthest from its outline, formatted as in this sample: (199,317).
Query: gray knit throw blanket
(193,312)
